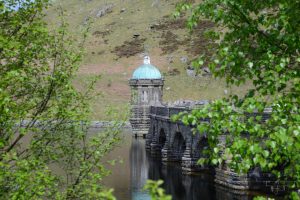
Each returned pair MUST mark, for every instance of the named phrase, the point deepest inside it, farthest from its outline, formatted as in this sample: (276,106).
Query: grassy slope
(115,28)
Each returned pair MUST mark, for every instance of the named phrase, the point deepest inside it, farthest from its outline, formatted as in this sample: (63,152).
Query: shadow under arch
(153,131)
(179,145)
(201,146)
(162,138)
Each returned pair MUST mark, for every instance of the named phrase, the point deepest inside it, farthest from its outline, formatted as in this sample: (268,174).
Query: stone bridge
(175,142)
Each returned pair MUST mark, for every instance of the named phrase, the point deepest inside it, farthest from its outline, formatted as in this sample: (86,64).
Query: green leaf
(214,161)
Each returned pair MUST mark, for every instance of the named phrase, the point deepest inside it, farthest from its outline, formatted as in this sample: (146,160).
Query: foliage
(155,190)
(47,150)
(262,198)
(293,196)
(257,41)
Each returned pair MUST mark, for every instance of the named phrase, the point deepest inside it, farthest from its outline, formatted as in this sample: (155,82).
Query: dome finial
(146,60)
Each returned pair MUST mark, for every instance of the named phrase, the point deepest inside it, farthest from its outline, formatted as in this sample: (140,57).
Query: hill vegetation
(121,32)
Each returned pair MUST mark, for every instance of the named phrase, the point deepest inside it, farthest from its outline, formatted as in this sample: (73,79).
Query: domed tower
(146,90)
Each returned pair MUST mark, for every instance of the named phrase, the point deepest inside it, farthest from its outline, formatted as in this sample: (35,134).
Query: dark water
(129,177)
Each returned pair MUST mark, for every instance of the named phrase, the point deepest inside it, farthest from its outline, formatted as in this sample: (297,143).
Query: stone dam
(175,142)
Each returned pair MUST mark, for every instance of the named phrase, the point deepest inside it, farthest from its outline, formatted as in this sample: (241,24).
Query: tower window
(144,96)
(156,97)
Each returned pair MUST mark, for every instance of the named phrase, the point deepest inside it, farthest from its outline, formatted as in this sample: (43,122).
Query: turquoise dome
(146,71)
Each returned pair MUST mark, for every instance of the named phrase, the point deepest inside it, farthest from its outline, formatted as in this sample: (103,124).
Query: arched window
(144,96)
(156,99)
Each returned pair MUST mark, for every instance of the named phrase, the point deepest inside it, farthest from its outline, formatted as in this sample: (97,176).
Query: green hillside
(121,31)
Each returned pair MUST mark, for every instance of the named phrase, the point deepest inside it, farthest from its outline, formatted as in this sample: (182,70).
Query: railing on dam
(165,111)
(168,111)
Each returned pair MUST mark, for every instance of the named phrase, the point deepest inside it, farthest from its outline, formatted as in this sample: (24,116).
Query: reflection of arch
(179,144)
(162,138)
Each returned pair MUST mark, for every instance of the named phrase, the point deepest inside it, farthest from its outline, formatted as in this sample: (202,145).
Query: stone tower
(146,90)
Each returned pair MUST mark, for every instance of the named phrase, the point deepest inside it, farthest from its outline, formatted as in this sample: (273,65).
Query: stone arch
(153,130)
(162,138)
(179,145)
(199,148)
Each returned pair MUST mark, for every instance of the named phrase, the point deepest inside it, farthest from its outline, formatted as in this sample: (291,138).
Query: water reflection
(129,178)
(181,187)
(138,169)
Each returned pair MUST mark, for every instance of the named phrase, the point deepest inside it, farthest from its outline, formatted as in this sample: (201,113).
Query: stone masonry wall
(162,140)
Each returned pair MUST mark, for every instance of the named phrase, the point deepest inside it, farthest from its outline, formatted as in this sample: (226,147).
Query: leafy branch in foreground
(256,42)
(155,190)
(47,150)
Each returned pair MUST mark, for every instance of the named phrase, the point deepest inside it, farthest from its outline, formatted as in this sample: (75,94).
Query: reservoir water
(136,166)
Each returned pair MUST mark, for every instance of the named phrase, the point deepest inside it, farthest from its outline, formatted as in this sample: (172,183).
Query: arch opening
(162,138)
(153,131)
(179,145)
(199,150)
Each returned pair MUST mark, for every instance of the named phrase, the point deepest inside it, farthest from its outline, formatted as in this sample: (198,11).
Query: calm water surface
(129,177)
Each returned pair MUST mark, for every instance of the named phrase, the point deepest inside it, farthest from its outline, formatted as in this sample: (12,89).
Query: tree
(43,118)
(257,41)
